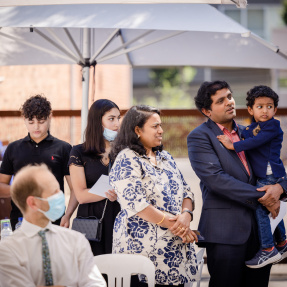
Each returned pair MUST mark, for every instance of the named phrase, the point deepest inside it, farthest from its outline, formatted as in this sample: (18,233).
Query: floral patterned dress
(138,183)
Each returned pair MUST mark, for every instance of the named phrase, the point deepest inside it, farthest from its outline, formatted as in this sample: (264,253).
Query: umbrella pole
(85,99)
(85,79)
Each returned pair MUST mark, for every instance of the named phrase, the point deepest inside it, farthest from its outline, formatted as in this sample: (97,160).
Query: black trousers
(227,268)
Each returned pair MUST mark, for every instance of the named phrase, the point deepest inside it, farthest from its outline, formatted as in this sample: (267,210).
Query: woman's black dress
(94,168)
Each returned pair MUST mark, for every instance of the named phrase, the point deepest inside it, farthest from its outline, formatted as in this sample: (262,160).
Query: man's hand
(65,221)
(272,194)
(274,209)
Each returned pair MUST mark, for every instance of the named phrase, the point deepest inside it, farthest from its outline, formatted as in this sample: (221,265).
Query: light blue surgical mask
(110,135)
(57,206)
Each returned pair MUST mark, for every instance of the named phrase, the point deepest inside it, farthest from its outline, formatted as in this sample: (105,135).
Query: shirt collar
(49,137)
(234,126)
(253,121)
(158,154)
(31,230)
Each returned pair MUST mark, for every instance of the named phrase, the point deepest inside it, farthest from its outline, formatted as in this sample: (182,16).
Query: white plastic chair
(200,262)
(120,267)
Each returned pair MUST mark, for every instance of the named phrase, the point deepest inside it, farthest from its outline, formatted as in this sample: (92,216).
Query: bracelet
(162,219)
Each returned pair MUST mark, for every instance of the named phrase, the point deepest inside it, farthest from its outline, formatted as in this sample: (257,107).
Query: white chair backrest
(120,267)
(200,262)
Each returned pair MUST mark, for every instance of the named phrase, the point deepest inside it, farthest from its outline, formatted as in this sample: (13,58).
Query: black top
(94,168)
(50,151)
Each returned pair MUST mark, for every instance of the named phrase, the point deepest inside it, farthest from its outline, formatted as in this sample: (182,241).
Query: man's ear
(206,112)
(250,111)
(30,201)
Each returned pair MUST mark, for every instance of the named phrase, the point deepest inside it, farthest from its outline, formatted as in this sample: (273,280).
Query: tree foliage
(284,15)
(171,87)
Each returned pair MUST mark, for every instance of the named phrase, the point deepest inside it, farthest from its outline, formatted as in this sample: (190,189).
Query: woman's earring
(138,136)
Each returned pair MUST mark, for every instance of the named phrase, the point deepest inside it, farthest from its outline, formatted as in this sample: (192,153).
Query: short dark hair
(25,184)
(36,106)
(259,92)
(94,139)
(136,116)
(207,89)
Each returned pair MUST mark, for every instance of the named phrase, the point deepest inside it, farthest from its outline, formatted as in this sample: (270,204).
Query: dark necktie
(46,259)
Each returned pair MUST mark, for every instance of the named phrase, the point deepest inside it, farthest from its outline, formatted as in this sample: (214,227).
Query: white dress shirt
(70,254)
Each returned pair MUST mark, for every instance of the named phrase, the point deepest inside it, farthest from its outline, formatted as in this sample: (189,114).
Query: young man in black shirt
(39,146)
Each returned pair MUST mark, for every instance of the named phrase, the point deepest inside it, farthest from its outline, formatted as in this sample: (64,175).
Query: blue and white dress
(138,183)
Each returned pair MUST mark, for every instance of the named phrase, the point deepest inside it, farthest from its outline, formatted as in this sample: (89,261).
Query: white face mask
(110,135)
(56,204)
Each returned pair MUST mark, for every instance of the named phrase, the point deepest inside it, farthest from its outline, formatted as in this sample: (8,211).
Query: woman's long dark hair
(136,116)
(94,140)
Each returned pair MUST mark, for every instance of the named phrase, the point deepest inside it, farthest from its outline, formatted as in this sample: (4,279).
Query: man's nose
(228,101)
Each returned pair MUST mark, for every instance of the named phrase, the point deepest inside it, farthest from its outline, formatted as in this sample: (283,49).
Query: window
(251,18)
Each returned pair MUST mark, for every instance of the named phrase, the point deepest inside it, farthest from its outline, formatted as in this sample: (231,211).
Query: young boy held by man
(262,143)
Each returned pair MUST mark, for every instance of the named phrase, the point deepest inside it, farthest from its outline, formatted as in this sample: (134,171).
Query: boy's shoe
(263,258)
(283,251)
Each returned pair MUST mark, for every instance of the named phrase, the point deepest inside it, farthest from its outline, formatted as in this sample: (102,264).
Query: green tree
(171,87)
(284,14)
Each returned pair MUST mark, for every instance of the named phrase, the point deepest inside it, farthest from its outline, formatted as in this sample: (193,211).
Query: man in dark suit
(229,196)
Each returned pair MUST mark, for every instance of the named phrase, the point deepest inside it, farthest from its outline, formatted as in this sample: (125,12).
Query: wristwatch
(190,212)
(283,196)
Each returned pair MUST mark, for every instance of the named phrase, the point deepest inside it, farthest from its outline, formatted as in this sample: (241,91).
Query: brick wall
(62,85)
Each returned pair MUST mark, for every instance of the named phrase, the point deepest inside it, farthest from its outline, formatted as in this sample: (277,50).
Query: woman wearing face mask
(90,160)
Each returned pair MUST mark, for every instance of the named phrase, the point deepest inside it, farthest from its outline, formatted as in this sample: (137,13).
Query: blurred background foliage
(170,88)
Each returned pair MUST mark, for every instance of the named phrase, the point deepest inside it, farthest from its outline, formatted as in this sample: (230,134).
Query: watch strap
(190,212)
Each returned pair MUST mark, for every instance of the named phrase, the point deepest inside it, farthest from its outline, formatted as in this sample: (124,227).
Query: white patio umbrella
(238,3)
(138,35)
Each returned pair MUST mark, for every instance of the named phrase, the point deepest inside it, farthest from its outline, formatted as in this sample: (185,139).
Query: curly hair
(36,106)
(260,92)
(207,89)
(136,116)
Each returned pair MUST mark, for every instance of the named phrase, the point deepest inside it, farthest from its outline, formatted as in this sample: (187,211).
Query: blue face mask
(57,206)
(110,135)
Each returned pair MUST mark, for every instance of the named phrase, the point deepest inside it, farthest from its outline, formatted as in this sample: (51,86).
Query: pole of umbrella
(85,79)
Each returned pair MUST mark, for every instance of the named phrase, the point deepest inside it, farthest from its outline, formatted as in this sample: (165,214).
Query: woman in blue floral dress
(156,203)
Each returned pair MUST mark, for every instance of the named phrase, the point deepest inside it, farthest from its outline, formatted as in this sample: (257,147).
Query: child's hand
(226,141)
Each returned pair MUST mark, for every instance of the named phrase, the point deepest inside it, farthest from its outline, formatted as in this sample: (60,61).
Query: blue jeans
(264,228)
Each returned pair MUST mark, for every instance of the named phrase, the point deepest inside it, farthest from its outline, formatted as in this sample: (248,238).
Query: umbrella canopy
(238,3)
(138,35)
